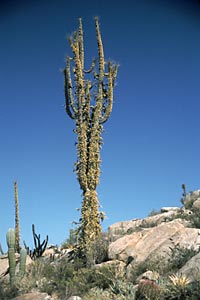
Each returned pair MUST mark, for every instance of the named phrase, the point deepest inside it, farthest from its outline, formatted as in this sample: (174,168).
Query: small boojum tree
(17,228)
(89,100)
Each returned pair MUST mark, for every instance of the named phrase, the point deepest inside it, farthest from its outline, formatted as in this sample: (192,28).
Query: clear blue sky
(151,141)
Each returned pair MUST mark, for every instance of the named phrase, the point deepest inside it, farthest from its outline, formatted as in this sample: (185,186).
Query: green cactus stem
(22,265)
(10,237)
(39,247)
(89,100)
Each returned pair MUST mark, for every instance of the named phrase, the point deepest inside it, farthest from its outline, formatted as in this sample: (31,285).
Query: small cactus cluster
(10,238)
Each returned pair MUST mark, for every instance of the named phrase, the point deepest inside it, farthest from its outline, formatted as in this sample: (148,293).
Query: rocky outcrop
(192,268)
(154,241)
(119,229)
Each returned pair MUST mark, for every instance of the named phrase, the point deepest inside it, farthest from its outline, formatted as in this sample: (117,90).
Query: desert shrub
(194,289)
(97,293)
(66,278)
(188,201)
(98,251)
(6,291)
(85,279)
(155,264)
(122,287)
(194,218)
(100,294)
(71,240)
(178,288)
(179,256)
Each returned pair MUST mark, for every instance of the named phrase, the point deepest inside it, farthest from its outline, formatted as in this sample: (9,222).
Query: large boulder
(151,242)
(119,229)
(192,268)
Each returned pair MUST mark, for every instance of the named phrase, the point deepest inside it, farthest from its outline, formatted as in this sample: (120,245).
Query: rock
(196,204)
(150,275)
(4,265)
(167,209)
(34,296)
(74,298)
(119,229)
(192,268)
(154,241)
(195,193)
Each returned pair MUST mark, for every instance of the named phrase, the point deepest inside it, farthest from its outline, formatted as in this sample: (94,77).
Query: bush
(179,256)
(194,218)
(178,288)
(156,264)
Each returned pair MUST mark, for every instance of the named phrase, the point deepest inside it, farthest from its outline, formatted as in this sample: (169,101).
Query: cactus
(39,247)
(10,237)
(88,102)
(17,229)
(1,250)
(22,264)
(148,290)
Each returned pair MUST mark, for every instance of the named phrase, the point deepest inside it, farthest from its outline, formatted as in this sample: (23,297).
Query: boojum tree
(17,228)
(89,101)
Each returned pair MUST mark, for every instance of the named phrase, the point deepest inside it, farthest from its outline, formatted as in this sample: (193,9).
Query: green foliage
(66,278)
(97,252)
(194,218)
(193,290)
(178,288)
(100,294)
(71,240)
(189,199)
(7,292)
(155,264)
(188,202)
(179,256)
(122,287)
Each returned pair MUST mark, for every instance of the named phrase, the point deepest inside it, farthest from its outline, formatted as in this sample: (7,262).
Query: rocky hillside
(164,244)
